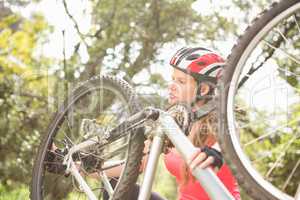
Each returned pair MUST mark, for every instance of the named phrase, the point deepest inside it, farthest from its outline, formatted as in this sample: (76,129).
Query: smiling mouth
(171,96)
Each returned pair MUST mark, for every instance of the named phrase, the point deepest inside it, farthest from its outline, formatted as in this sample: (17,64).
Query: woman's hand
(200,159)
(206,157)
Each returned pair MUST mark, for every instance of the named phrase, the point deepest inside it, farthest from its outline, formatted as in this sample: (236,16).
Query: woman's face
(182,88)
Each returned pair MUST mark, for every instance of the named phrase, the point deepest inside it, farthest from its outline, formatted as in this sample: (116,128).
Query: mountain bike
(102,125)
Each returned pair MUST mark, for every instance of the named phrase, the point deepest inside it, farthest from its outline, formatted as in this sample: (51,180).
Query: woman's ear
(204,89)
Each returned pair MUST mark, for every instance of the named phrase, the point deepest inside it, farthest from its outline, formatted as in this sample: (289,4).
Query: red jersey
(193,190)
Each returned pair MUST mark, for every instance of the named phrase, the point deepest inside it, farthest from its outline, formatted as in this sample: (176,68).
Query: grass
(164,185)
(19,193)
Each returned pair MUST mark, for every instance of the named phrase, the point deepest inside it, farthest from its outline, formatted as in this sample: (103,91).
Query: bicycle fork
(155,151)
(209,181)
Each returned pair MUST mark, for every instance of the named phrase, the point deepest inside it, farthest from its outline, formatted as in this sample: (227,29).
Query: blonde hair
(204,135)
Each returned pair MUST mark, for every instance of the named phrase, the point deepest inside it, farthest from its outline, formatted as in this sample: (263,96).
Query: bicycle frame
(167,128)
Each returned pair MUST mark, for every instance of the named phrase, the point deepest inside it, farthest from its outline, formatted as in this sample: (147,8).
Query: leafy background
(130,39)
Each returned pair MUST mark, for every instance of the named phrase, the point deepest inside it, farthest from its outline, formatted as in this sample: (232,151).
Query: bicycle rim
(260,133)
(101,103)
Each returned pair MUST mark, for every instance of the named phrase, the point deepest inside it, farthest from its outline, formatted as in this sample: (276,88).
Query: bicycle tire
(135,149)
(249,180)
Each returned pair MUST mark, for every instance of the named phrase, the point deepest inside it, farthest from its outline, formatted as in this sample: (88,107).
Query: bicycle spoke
(67,137)
(270,152)
(294,17)
(287,72)
(101,99)
(280,157)
(282,35)
(56,141)
(290,176)
(68,123)
(114,152)
(75,185)
(297,195)
(270,133)
(50,150)
(250,123)
(242,125)
(106,183)
(285,53)
(121,114)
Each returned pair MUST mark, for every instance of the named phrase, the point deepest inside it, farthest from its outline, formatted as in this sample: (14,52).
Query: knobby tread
(230,156)
(135,151)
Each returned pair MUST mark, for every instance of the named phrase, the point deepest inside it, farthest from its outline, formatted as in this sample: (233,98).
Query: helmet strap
(204,110)
(207,107)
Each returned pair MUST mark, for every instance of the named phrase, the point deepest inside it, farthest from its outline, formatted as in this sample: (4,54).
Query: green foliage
(275,155)
(20,192)
(125,37)
(135,32)
(23,96)
(164,183)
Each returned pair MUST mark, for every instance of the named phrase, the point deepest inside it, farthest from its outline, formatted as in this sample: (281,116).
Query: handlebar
(133,122)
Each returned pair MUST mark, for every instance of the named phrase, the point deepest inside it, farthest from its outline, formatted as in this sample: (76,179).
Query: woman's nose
(172,86)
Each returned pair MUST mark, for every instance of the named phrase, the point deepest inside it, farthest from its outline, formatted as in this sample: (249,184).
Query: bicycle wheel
(103,101)
(259,107)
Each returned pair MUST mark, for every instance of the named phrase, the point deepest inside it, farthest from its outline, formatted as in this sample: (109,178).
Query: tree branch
(41,98)
(81,35)
(143,58)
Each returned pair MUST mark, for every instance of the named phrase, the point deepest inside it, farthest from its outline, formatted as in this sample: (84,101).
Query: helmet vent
(201,63)
(193,57)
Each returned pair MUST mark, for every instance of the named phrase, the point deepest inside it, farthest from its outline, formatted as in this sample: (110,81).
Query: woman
(196,71)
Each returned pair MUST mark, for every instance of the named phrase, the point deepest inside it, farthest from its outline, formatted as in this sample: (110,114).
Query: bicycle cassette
(181,113)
